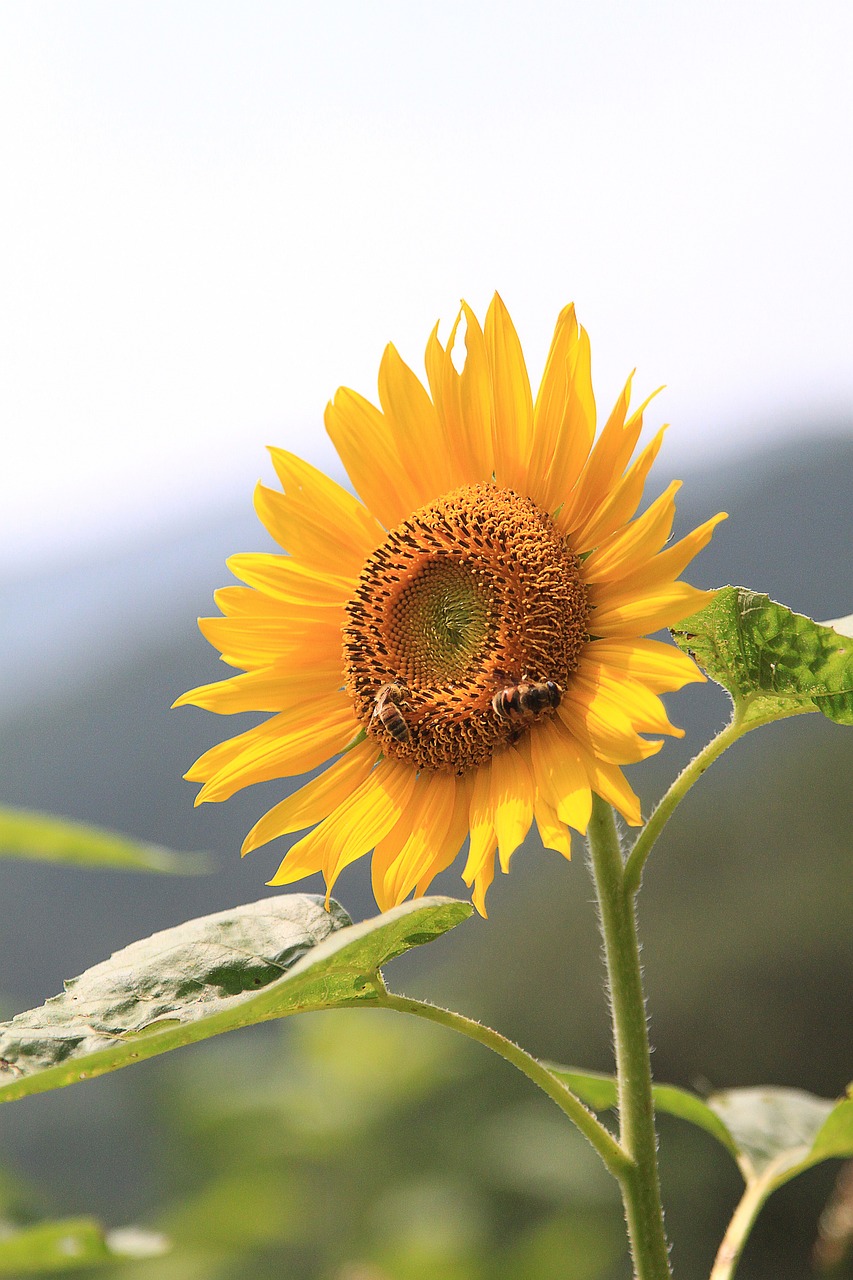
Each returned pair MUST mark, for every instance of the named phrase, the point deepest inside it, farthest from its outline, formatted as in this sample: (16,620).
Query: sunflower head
(471,595)
(463,647)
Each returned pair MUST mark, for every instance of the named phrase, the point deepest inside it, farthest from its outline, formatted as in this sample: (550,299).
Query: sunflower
(462,646)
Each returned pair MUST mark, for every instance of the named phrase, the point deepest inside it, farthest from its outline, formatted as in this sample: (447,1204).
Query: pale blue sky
(216,213)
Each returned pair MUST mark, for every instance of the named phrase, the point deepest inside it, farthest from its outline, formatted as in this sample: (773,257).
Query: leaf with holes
(773,662)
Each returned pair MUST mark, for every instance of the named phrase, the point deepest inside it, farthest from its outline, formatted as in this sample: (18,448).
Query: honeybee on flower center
(387,710)
(527,701)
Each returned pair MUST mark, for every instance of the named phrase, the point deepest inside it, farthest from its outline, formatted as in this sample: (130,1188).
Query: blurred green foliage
(360,1144)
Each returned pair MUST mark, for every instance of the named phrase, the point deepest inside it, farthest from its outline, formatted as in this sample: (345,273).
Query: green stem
(639,1182)
(728,1254)
(592,1129)
(676,793)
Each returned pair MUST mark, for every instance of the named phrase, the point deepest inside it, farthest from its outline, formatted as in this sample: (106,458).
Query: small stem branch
(676,793)
(590,1126)
(640,1183)
(728,1254)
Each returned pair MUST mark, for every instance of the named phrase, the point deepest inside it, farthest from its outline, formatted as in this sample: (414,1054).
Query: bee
(387,710)
(528,700)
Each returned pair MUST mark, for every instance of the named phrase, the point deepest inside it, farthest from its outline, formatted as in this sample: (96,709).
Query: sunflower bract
(463,645)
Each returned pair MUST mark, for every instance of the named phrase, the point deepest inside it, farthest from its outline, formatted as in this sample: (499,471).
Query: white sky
(215,213)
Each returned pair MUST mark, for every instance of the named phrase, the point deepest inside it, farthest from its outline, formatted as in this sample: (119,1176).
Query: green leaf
(773,1134)
(264,960)
(780,1132)
(598,1091)
(594,1088)
(40,836)
(773,662)
(73,1243)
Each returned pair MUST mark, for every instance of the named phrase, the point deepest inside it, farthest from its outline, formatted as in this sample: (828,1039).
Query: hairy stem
(676,793)
(639,1181)
(590,1126)
(728,1254)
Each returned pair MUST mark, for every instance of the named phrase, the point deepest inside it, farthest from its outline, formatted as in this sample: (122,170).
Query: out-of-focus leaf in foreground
(285,954)
(45,838)
(72,1243)
(773,662)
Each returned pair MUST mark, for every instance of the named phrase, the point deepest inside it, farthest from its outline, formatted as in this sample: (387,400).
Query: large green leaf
(44,838)
(774,662)
(71,1244)
(267,959)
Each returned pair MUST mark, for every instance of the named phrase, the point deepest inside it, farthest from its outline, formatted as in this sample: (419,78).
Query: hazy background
(213,215)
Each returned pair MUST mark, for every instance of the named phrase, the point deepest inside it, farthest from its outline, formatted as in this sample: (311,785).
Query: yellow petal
(553,833)
(408,854)
(290,582)
(292,742)
(605,464)
(512,403)
(476,398)
(315,520)
(467,436)
(560,773)
(243,602)
(447,849)
(661,667)
(482,880)
(416,429)
(610,783)
(666,566)
(482,833)
(563,416)
(323,503)
(631,547)
(619,504)
(317,799)
(511,795)
(611,691)
(354,828)
(260,642)
(603,730)
(636,613)
(264,690)
(364,441)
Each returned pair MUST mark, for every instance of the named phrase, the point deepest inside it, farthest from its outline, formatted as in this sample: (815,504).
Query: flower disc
(471,594)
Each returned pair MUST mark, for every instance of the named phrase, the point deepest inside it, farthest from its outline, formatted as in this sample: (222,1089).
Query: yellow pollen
(474,593)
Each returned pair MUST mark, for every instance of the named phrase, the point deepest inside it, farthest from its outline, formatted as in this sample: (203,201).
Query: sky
(214,214)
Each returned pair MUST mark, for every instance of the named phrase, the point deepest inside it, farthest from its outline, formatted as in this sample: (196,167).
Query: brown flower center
(464,629)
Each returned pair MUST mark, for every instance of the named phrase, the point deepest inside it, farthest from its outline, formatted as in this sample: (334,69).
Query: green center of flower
(438,623)
(464,629)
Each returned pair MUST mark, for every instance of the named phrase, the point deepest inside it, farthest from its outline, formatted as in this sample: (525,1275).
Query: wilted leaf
(264,960)
(45,838)
(773,662)
(71,1244)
